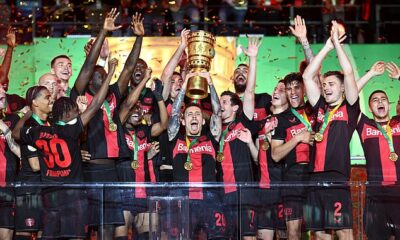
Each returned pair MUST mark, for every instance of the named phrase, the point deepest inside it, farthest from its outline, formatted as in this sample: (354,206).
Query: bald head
(50,81)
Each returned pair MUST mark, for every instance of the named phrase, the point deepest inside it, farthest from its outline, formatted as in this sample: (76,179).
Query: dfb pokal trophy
(200,53)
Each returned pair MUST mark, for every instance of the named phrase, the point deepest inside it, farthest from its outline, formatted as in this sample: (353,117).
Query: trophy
(200,53)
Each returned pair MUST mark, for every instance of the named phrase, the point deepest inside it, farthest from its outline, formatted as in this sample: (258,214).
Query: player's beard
(239,88)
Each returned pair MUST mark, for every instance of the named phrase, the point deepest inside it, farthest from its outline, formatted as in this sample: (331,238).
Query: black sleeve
(73,130)
(28,135)
(74,94)
(320,104)
(360,124)
(279,132)
(253,126)
(354,112)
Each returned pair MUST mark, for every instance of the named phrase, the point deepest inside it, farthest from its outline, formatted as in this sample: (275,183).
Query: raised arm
(161,126)
(173,63)
(5,66)
(350,85)
(129,67)
(133,97)
(14,147)
(90,62)
(215,120)
(174,122)
(300,31)
(377,69)
(16,132)
(393,70)
(98,99)
(248,96)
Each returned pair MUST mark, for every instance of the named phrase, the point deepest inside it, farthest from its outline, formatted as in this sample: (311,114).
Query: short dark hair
(57,57)
(62,106)
(192,104)
(291,77)
(376,91)
(32,93)
(337,74)
(235,100)
(242,65)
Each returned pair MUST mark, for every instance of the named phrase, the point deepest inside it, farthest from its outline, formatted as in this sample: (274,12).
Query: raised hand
(253,45)
(105,50)
(244,135)
(206,75)
(109,22)
(137,24)
(112,65)
(82,103)
(300,29)
(11,42)
(88,46)
(378,68)
(153,150)
(393,70)
(184,36)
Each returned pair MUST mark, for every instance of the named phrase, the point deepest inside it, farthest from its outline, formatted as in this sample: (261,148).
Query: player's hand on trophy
(206,75)
(137,24)
(184,37)
(393,70)
(254,44)
(109,22)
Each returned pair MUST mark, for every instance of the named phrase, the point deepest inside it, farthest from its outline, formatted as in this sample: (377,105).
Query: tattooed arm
(174,122)
(215,121)
(14,147)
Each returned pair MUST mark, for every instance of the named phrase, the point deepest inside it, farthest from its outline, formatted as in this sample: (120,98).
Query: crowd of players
(126,132)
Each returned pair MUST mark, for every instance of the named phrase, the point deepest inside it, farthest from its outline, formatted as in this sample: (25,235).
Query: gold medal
(265,146)
(134,164)
(318,137)
(112,127)
(188,166)
(220,157)
(393,156)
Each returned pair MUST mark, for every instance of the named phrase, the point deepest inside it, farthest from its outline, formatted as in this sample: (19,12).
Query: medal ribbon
(328,118)
(61,123)
(135,145)
(303,119)
(222,141)
(189,145)
(387,134)
(108,112)
(38,120)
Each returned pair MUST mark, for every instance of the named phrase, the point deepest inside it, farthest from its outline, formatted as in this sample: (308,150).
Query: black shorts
(328,208)
(240,217)
(64,213)
(7,207)
(28,213)
(382,217)
(103,198)
(208,216)
(267,217)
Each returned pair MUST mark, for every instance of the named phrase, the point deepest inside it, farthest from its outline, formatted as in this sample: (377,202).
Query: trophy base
(197,88)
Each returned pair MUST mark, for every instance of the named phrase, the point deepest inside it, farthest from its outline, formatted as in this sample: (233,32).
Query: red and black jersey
(202,155)
(8,160)
(289,126)
(26,174)
(103,143)
(148,103)
(14,103)
(333,153)
(145,171)
(58,150)
(237,164)
(262,104)
(376,150)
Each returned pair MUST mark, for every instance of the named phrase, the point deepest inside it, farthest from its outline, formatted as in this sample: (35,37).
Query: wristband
(7,131)
(102,62)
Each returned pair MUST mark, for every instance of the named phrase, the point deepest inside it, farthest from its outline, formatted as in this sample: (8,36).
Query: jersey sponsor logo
(131,145)
(206,148)
(374,132)
(296,129)
(259,114)
(340,115)
(58,173)
(232,135)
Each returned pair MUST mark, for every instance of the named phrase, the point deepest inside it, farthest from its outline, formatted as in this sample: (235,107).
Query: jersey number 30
(55,152)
